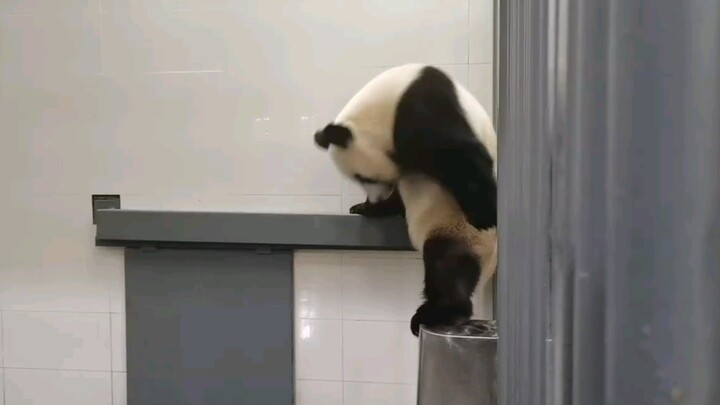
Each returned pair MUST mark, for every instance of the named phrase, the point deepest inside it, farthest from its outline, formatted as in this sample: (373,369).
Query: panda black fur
(458,258)
(414,118)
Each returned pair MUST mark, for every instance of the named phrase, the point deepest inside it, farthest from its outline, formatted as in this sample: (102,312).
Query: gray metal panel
(525,203)
(218,229)
(663,202)
(209,327)
(630,136)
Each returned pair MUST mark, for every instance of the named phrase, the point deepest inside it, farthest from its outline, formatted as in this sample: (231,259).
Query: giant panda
(458,258)
(414,118)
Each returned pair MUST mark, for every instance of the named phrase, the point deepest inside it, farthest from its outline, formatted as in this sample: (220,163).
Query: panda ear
(332,134)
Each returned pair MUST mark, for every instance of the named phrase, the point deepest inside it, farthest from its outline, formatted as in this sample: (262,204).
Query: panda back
(370,113)
(479,121)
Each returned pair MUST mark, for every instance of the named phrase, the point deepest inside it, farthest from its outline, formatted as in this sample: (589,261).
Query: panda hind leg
(452,272)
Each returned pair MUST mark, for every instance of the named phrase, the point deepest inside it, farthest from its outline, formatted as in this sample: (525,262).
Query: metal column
(609,134)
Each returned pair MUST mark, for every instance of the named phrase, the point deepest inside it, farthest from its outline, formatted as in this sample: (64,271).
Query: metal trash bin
(458,365)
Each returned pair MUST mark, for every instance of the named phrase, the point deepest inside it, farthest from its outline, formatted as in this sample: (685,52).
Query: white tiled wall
(200,104)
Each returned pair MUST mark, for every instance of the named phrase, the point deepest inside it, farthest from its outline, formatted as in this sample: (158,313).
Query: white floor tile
(387,394)
(64,341)
(318,392)
(383,352)
(119,389)
(54,387)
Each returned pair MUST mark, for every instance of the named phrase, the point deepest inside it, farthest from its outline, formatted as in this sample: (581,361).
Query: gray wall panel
(524,200)
(209,327)
(663,202)
(612,163)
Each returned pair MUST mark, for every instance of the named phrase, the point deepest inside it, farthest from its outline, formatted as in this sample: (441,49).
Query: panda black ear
(332,134)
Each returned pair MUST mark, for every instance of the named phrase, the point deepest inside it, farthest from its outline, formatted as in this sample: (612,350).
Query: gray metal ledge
(182,229)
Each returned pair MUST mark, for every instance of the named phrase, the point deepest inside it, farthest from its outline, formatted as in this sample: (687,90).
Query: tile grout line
(469,32)
(112,377)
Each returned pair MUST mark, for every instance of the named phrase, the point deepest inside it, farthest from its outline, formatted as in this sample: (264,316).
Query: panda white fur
(458,258)
(414,118)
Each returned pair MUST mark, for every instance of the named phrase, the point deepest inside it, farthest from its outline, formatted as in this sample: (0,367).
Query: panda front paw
(360,209)
(432,315)
(368,209)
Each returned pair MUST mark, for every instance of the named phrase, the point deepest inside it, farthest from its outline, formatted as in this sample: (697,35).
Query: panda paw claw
(432,315)
(359,209)
(367,209)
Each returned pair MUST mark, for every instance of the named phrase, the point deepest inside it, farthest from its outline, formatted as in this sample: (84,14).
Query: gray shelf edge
(235,230)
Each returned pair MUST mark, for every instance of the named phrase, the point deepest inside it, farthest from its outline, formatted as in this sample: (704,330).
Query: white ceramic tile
(169,6)
(167,133)
(430,31)
(2,355)
(318,392)
(368,393)
(350,187)
(481,31)
(119,389)
(69,341)
(381,289)
(54,387)
(280,167)
(480,80)
(383,352)
(40,7)
(55,123)
(401,31)
(215,137)
(456,72)
(117,281)
(318,349)
(291,204)
(149,39)
(274,34)
(63,46)
(117,330)
(48,258)
(276,154)
(318,285)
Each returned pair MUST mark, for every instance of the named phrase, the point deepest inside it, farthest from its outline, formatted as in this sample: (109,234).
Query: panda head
(360,160)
